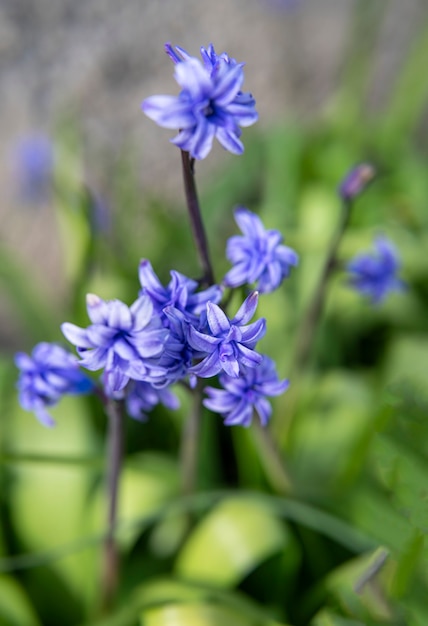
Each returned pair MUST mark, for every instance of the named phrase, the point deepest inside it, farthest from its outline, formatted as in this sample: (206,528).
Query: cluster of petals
(45,376)
(228,345)
(210,104)
(180,293)
(259,257)
(142,397)
(375,274)
(124,341)
(179,305)
(240,397)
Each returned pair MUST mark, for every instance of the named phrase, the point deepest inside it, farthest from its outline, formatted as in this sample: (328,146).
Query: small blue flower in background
(124,341)
(239,397)
(211,103)
(258,256)
(142,397)
(33,165)
(47,375)
(374,274)
(228,345)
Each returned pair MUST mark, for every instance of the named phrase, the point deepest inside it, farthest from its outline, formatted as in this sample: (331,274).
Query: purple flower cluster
(240,397)
(258,256)
(210,104)
(375,274)
(123,341)
(168,334)
(45,376)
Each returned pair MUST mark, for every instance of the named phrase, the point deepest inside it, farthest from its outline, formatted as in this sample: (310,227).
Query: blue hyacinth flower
(210,104)
(48,374)
(259,258)
(227,345)
(181,293)
(124,341)
(375,274)
(141,398)
(240,397)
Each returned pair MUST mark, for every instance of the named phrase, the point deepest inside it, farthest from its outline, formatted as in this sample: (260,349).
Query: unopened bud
(356,181)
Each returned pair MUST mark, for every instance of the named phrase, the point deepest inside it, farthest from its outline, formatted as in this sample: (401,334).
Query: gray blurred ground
(101,58)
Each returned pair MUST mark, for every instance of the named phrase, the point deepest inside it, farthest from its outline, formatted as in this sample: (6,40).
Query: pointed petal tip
(92,300)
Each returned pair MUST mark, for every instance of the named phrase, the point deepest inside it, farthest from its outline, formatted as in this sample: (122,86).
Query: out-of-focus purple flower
(142,397)
(211,103)
(356,181)
(47,375)
(33,165)
(228,344)
(258,256)
(374,274)
(239,397)
(124,341)
(180,293)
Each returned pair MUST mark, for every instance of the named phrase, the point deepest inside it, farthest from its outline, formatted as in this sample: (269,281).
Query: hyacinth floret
(240,397)
(48,374)
(228,345)
(210,104)
(124,341)
(375,274)
(141,398)
(259,257)
(180,293)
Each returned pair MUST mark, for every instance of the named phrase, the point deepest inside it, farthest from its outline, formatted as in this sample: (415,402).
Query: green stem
(309,326)
(271,459)
(110,561)
(189,443)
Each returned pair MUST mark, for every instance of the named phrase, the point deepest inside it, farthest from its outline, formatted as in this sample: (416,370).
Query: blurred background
(89,186)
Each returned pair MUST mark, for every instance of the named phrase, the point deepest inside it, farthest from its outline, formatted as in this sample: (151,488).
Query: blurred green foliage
(348,547)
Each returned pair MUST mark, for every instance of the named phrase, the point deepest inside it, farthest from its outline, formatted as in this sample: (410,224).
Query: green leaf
(15,608)
(231,541)
(194,614)
(49,501)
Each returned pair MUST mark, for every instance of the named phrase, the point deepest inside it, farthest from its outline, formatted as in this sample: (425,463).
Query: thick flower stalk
(210,104)
(48,374)
(123,341)
(240,397)
(228,345)
(259,257)
(375,274)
